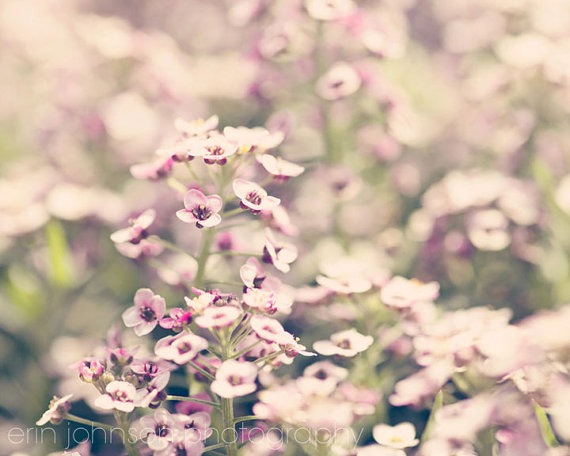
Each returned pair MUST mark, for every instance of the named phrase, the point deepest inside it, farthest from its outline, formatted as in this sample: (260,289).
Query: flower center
(215,150)
(345,343)
(147,314)
(162,430)
(253,197)
(122,396)
(201,212)
(321,374)
(235,380)
(184,347)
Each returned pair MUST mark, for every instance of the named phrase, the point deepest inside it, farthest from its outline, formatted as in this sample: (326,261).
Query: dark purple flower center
(253,197)
(201,212)
(121,396)
(190,425)
(215,150)
(180,451)
(321,374)
(162,430)
(147,314)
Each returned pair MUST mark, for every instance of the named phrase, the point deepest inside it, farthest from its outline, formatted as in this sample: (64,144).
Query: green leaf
(61,264)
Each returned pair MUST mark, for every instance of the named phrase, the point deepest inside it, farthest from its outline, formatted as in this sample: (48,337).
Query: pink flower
(253,197)
(155,170)
(256,139)
(321,378)
(200,302)
(137,228)
(279,254)
(397,437)
(201,209)
(234,379)
(120,396)
(339,82)
(401,293)
(345,343)
(90,370)
(178,320)
(181,348)
(58,407)
(270,330)
(217,150)
(278,167)
(154,393)
(147,370)
(218,317)
(260,299)
(144,315)
(144,248)
(251,273)
(196,426)
(159,429)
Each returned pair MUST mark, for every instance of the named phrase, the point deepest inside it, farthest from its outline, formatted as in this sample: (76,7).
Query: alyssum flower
(201,209)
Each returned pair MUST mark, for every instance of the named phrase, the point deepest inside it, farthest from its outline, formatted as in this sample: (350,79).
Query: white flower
(120,396)
(345,343)
(397,437)
(235,378)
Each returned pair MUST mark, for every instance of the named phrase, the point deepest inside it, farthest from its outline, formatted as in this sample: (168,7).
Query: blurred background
(454,148)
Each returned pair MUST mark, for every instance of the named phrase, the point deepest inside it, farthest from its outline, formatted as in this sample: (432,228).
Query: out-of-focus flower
(279,254)
(397,437)
(338,82)
(196,426)
(218,317)
(329,10)
(157,169)
(120,396)
(137,229)
(217,150)
(249,140)
(234,379)
(401,293)
(146,312)
(197,127)
(260,299)
(253,197)
(270,330)
(251,273)
(281,169)
(487,230)
(144,248)
(345,343)
(58,407)
(180,348)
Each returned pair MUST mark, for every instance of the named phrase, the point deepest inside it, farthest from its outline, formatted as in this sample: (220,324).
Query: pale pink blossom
(119,396)
(144,248)
(398,437)
(234,379)
(278,167)
(256,139)
(199,303)
(58,407)
(90,370)
(159,429)
(345,343)
(401,293)
(181,348)
(146,312)
(196,127)
(178,319)
(158,169)
(217,150)
(340,81)
(154,392)
(279,254)
(251,273)
(201,209)
(253,197)
(270,330)
(260,299)
(137,228)
(218,317)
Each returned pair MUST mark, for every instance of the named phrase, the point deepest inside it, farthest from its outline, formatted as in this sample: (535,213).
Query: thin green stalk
(204,372)
(92,424)
(240,419)
(123,422)
(203,257)
(437,404)
(214,447)
(192,399)
(545,427)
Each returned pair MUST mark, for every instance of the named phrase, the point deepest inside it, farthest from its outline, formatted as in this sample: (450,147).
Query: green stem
(214,447)
(228,423)
(123,421)
(203,257)
(204,372)
(437,404)
(545,427)
(92,424)
(191,399)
